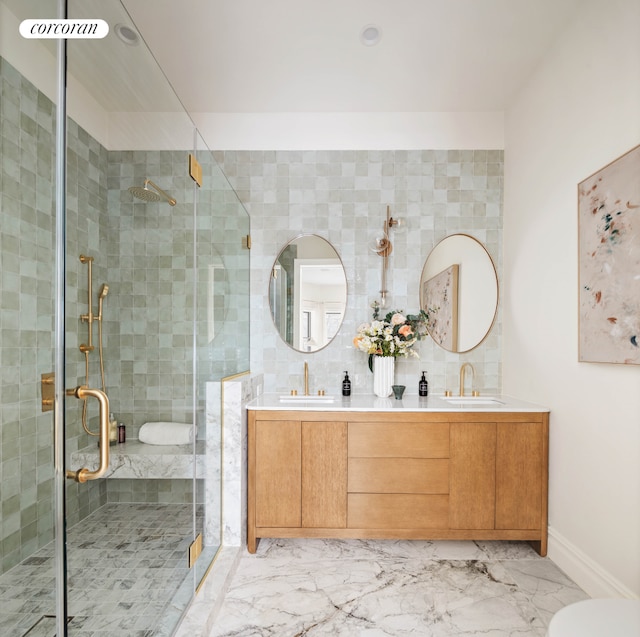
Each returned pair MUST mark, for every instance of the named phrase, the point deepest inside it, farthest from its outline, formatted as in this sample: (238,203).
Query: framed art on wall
(609,262)
(440,293)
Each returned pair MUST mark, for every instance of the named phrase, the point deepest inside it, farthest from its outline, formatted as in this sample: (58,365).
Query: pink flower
(398,319)
(405,331)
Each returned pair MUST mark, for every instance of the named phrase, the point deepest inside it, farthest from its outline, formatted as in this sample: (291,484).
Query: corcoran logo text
(57,29)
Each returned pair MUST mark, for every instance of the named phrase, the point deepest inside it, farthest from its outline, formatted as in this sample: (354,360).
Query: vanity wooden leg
(540,546)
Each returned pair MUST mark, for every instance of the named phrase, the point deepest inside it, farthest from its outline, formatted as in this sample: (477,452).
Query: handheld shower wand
(104,290)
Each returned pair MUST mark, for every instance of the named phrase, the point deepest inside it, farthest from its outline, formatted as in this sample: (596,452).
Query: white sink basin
(472,400)
(306,399)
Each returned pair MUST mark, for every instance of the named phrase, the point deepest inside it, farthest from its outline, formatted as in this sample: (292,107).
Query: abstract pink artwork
(609,262)
(440,299)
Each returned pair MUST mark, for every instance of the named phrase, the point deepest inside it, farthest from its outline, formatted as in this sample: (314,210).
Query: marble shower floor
(295,588)
(127,570)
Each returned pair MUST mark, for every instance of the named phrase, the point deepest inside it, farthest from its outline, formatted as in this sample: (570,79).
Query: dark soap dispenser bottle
(423,386)
(346,385)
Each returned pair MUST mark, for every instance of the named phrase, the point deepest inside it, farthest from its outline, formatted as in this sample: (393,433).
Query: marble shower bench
(135,459)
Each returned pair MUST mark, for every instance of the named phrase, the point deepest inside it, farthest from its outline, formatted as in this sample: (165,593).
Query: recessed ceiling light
(370,35)
(127,34)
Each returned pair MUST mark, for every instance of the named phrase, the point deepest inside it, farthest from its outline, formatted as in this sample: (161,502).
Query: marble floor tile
(351,588)
(127,573)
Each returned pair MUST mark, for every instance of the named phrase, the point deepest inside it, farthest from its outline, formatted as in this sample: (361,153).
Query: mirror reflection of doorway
(307,293)
(320,295)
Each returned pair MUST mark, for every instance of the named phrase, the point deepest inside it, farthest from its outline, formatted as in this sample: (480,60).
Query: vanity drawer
(398,475)
(398,440)
(397,511)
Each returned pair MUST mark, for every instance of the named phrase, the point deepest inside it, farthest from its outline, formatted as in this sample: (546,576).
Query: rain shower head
(146,194)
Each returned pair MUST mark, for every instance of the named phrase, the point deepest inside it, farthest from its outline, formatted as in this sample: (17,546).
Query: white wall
(578,112)
(347,131)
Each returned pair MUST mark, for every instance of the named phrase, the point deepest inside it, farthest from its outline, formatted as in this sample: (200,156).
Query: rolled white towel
(166,433)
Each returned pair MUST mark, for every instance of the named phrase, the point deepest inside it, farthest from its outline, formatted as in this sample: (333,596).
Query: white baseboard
(589,575)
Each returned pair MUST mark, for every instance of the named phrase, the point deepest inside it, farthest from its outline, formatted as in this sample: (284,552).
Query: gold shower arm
(170,199)
(82,393)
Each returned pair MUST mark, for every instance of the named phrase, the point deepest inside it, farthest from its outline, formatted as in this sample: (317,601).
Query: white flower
(394,335)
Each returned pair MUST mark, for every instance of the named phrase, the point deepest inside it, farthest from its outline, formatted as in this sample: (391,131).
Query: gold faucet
(462,376)
(306,378)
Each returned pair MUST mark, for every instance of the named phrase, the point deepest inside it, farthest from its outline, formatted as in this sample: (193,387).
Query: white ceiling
(271,56)
(305,55)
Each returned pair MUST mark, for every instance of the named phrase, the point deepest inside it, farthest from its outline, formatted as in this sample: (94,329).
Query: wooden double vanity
(413,469)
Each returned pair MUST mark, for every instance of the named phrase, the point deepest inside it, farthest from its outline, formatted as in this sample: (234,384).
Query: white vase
(383,374)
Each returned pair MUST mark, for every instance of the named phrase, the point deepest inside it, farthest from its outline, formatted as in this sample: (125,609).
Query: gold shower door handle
(82,393)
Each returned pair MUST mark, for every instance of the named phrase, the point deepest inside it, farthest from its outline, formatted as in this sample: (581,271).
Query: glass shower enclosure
(123,291)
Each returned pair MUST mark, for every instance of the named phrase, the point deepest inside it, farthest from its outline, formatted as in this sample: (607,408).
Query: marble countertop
(410,402)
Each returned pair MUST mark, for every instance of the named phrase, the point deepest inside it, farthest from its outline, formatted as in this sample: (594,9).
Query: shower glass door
(132,207)
(109,555)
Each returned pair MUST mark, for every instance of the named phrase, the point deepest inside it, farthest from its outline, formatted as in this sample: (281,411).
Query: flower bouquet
(393,335)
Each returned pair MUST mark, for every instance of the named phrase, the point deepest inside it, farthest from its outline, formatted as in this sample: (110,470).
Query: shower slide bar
(90,316)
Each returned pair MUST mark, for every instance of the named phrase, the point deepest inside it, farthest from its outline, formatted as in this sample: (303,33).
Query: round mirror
(307,293)
(459,288)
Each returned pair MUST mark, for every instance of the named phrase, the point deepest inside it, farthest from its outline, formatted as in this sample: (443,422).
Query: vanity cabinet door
(473,475)
(519,475)
(324,474)
(278,481)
